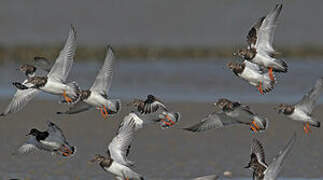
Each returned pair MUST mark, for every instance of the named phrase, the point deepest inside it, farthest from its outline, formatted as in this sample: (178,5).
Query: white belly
(252,76)
(116,169)
(299,116)
(55,88)
(96,100)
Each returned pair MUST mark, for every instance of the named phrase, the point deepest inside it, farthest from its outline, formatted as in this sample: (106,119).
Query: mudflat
(159,154)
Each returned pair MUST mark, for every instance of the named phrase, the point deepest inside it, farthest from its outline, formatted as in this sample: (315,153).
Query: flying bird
(51,140)
(53,83)
(39,63)
(254,75)
(151,104)
(260,39)
(229,113)
(97,95)
(153,109)
(302,111)
(257,163)
(116,161)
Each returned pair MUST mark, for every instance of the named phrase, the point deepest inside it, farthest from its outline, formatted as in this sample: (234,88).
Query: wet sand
(159,154)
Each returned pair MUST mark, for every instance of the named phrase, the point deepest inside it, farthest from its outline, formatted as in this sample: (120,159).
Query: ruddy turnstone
(229,113)
(51,140)
(164,118)
(116,161)
(151,104)
(154,110)
(253,74)
(302,111)
(260,49)
(39,63)
(97,95)
(261,171)
(53,83)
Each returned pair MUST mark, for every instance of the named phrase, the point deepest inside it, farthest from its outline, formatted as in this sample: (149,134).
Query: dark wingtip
(59,112)
(2,114)
(317,124)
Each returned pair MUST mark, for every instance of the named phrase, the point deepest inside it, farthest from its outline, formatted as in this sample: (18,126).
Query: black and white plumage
(302,111)
(97,95)
(254,75)
(262,171)
(51,140)
(120,144)
(116,161)
(229,113)
(53,83)
(151,104)
(260,39)
(165,119)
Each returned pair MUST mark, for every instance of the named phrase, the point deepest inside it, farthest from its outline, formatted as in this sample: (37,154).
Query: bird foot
(254,127)
(67,99)
(260,88)
(104,112)
(307,128)
(271,76)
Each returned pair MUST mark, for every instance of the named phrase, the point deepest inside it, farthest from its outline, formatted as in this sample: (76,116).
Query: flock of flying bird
(259,64)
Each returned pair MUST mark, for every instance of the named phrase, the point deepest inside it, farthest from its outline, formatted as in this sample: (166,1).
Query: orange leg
(308,127)
(65,154)
(127,178)
(102,113)
(252,128)
(105,112)
(256,126)
(67,99)
(260,88)
(66,149)
(271,76)
(165,122)
(305,129)
(172,122)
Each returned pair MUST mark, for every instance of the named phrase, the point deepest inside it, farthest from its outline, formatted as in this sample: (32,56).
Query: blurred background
(176,50)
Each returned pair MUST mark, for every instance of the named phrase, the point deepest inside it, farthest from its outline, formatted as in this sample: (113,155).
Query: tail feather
(283,64)
(115,106)
(268,83)
(315,123)
(76,93)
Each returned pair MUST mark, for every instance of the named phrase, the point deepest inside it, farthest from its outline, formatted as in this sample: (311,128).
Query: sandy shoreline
(167,153)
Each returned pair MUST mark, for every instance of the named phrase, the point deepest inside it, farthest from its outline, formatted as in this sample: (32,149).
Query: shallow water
(185,80)
(170,154)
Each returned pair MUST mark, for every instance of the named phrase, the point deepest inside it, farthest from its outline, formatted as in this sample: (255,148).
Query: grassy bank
(26,53)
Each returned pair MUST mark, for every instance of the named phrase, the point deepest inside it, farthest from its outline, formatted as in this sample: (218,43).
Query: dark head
(34,132)
(237,68)
(150,97)
(97,158)
(233,65)
(241,53)
(247,54)
(27,69)
(222,103)
(285,108)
